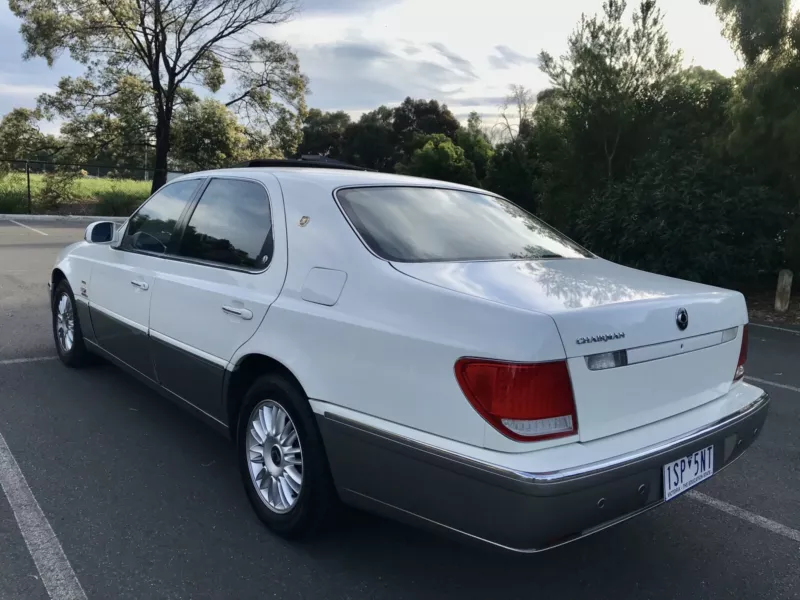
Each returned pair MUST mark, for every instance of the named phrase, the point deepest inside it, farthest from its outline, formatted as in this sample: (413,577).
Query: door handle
(239,312)
(142,285)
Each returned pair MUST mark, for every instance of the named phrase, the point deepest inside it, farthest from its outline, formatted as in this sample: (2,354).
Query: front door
(121,284)
(211,295)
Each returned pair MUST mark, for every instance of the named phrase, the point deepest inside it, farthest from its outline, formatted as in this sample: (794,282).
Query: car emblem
(606,337)
(682,319)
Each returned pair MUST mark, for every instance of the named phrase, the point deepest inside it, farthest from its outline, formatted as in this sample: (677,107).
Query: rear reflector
(742,356)
(525,402)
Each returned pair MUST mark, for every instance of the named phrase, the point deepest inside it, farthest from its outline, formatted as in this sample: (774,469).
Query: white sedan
(416,348)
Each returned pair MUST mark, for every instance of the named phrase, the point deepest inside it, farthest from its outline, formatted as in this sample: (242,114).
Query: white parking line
(17,361)
(57,575)
(746,515)
(772,383)
(27,227)
(794,331)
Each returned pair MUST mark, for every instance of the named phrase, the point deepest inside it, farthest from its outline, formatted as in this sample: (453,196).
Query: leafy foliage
(439,158)
(323,133)
(755,27)
(206,135)
(685,215)
(143,56)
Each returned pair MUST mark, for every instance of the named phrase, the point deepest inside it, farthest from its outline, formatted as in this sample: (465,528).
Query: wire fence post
(28,176)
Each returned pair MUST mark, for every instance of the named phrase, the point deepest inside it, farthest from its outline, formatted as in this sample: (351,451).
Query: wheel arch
(56,277)
(241,376)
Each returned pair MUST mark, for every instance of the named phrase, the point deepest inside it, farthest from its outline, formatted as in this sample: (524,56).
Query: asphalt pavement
(146,502)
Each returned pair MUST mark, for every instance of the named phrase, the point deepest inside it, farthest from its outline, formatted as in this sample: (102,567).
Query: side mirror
(100,232)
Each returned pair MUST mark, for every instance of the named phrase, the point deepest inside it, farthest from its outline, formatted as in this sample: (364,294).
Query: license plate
(687,472)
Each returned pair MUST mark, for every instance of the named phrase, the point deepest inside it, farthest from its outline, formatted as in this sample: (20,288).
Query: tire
(269,473)
(72,353)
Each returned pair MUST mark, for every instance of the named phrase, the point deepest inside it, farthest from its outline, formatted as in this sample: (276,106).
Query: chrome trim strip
(85,301)
(120,318)
(564,474)
(650,351)
(189,349)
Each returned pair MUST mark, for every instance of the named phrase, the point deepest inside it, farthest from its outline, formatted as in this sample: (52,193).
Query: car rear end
(642,399)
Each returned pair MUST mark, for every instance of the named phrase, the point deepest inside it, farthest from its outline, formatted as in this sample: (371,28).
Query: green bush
(686,216)
(111,197)
(13,196)
(59,188)
(119,201)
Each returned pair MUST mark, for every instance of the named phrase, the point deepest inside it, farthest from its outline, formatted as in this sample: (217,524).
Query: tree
(206,135)
(20,137)
(516,112)
(113,129)
(439,158)
(608,71)
(169,45)
(371,142)
(765,113)
(323,132)
(414,118)
(755,27)
(477,148)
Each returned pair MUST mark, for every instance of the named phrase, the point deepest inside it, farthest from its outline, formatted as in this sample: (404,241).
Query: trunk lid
(600,307)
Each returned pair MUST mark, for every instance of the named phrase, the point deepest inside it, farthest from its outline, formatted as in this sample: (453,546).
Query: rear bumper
(519,511)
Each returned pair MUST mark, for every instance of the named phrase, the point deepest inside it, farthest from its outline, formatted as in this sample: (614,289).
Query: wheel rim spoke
(65,323)
(274,456)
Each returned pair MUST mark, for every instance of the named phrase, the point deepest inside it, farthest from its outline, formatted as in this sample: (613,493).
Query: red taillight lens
(742,357)
(525,402)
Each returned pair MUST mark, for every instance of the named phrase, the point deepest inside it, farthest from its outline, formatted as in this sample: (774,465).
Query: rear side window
(414,224)
(151,228)
(231,225)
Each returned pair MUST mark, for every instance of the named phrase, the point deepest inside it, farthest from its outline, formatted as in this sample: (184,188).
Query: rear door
(121,284)
(211,294)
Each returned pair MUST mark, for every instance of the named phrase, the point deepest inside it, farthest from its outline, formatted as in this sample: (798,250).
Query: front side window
(152,227)
(231,225)
(415,224)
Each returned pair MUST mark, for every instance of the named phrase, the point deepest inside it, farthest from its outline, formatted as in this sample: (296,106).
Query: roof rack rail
(305,160)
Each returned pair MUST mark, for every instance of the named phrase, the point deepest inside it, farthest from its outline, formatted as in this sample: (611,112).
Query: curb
(74,218)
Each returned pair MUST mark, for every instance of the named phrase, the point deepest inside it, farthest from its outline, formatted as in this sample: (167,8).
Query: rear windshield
(414,224)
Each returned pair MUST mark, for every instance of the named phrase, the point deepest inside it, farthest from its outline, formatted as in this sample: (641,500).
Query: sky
(360,54)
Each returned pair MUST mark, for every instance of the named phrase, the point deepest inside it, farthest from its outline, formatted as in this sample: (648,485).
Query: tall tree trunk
(162,151)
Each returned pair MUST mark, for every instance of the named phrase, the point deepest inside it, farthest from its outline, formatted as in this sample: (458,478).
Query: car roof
(334,178)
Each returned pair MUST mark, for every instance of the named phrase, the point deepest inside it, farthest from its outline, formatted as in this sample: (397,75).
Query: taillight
(526,402)
(742,357)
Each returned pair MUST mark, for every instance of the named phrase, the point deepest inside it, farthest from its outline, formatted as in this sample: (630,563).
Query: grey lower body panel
(189,376)
(85,319)
(153,384)
(397,477)
(130,345)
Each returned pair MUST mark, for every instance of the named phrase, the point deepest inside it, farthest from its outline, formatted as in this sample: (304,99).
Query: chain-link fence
(48,187)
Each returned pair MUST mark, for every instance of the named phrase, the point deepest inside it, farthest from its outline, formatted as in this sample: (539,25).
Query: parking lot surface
(146,502)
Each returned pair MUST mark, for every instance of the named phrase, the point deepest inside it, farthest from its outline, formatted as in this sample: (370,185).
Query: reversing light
(525,402)
(607,360)
(742,356)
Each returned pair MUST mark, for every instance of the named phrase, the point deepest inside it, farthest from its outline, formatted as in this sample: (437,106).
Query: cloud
(355,74)
(457,61)
(485,116)
(509,58)
(342,6)
(477,101)
(24,91)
